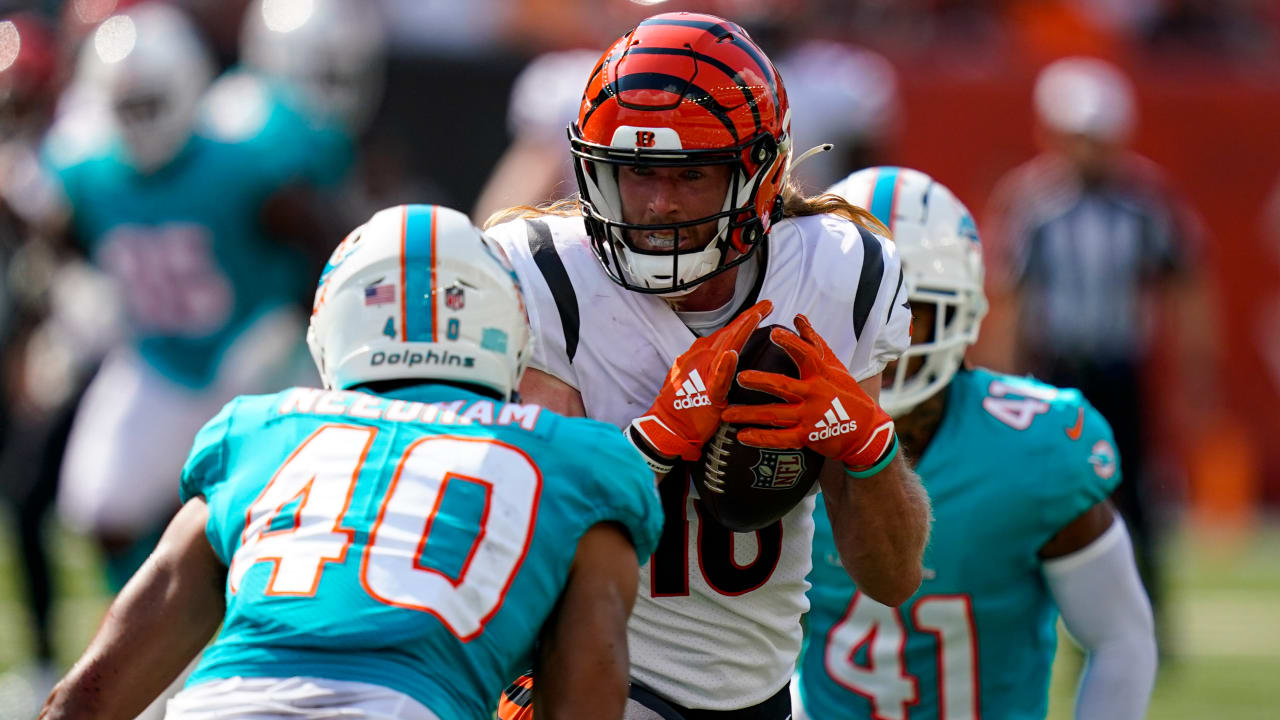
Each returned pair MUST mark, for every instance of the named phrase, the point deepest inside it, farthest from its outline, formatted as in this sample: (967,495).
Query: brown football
(746,488)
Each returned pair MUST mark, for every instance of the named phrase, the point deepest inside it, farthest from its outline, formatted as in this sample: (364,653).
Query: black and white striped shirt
(1083,257)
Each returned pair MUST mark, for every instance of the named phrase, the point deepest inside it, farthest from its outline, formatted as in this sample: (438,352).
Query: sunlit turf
(1222,657)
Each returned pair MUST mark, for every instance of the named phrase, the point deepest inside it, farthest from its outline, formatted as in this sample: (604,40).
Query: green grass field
(1223,620)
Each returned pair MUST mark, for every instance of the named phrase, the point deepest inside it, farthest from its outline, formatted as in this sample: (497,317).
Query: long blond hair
(794,204)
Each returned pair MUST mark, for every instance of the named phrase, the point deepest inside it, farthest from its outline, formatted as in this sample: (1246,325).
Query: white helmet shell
(333,51)
(418,292)
(149,67)
(941,264)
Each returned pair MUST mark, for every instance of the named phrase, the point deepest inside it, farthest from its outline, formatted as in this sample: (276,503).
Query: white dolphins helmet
(418,292)
(332,50)
(150,67)
(941,264)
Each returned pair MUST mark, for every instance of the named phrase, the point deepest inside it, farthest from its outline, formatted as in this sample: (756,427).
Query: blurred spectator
(185,200)
(1092,241)
(445,27)
(1225,27)
(536,167)
(333,51)
(29,449)
(839,94)
(219,21)
(323,61)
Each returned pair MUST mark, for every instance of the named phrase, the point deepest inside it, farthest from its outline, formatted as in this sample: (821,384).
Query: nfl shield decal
(454,298)
(778,470)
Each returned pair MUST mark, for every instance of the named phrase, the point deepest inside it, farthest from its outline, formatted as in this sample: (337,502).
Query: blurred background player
(1019,473)
(188,205)
(331,51)
(1090,245)
(325,60)
(544,101)
(443,523)
(33,415)
(840,94)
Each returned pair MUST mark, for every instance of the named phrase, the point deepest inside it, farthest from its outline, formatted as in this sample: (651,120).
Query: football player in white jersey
(686,220)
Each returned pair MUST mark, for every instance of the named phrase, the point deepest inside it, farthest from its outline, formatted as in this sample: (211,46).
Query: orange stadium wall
(1216,130)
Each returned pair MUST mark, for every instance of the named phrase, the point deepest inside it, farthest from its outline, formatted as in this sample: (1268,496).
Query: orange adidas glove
(825,410)
(687,411)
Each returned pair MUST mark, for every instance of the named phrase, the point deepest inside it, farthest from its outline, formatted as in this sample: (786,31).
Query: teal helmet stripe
(419,273)
(882,195)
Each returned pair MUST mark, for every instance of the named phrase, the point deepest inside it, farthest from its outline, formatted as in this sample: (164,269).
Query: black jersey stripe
(869,281)
(894,302)
(761,251)
(543,249)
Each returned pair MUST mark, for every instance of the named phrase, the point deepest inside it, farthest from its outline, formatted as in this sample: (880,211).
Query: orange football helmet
(516,702)
(682,90)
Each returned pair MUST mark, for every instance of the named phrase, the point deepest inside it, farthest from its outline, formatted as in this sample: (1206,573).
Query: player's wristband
(881,464)
(655,462)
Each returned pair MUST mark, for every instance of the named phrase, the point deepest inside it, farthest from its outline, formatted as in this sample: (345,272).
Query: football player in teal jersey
(187,200)
(1019,473)
(332,51)
(399,543)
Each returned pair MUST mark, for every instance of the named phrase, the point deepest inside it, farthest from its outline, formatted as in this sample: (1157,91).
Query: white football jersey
(717,621)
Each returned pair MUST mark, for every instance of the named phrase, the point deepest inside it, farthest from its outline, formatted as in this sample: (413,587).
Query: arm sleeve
(1118,633)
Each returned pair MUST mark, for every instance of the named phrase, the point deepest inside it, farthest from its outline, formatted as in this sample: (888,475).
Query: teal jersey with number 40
(415,540)
(1013,462)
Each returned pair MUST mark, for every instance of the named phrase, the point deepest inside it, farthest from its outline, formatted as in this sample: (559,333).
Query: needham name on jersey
(313,401)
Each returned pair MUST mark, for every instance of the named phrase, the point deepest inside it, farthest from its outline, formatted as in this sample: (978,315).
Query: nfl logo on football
(778,470)
(454,299)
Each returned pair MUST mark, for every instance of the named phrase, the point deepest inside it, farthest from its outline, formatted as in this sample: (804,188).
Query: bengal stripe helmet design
(682,90)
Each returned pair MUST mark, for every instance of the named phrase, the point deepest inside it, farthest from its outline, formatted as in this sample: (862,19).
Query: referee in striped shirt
(1089,239)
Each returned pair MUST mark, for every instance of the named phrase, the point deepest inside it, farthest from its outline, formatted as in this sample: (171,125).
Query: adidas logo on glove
(835,422)
(692,393)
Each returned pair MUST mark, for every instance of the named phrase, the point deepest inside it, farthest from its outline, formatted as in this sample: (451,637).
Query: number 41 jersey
(415,540)
(1013,462)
